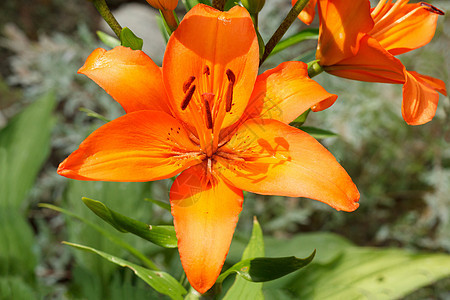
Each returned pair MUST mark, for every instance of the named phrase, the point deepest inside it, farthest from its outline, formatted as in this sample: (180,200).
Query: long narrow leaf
(161,235)
(160,281)
(109,236)
(307,34)
(243,289)
(267,268)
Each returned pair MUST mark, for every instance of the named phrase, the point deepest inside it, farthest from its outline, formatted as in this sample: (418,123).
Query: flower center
(208,106)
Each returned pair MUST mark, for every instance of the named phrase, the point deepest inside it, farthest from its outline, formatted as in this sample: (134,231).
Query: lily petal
(129,76)
(205,216)
(285,92)
(420,97)
(342,25)
(140,146)
(308,13)
(274,158)
(206,44)
(163,4)
(412,26)
(372,63)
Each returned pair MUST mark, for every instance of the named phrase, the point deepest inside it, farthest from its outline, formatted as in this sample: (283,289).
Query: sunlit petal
(140,146)
(342,25)
(371,63)
(206,44)
(205,216)
(129,76)
(274,158)
(285,92)
(412,26)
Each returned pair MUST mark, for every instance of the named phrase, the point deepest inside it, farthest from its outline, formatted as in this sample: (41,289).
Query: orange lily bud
(253,6)
(163,4)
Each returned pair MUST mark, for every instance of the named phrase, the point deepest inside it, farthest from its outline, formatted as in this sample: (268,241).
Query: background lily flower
(362,47)
(163,4)
(207,115)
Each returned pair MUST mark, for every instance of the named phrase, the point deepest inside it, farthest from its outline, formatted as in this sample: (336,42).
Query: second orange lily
(207,115)
(358,42)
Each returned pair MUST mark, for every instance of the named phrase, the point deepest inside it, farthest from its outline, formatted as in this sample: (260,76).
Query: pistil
(207,97)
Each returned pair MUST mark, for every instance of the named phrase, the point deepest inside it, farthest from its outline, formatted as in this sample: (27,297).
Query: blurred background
(402,172)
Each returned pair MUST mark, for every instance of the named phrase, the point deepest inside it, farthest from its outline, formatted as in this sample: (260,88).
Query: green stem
(284,26)
(169,17)
(314,68)
(255,20)
(106,14)
(219,4)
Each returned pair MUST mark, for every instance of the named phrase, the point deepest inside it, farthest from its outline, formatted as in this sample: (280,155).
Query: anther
(187,83)
(206,98)
(206,70)
(187,97)
(229,94)
(231,76)
(431,8)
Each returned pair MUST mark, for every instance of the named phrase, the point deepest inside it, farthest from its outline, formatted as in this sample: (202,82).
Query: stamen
(231,76)
(206,98)
(229,94)
(188,83)
(206,71)
(431,8)
(187,97)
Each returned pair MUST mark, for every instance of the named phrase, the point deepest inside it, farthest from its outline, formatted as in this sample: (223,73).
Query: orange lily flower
(362,47)
(207,115)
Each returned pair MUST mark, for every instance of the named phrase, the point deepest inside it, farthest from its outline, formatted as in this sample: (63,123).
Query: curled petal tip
(90,61)
(432,8)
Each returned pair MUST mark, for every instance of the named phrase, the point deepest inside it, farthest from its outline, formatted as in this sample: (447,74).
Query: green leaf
(15,235)
(161,235)
(91,113)
(12,287)
(108,40)
(161,204)
(329,246)
(24,147)
(160,281)
(307,34)
(241,288)
(189,4)
(162,28)
(317,133)
(300,120)
(369,273)
(267,268)
(129,39)
(106,234)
